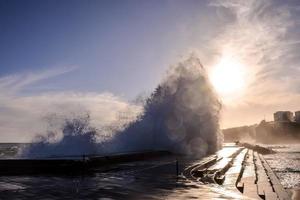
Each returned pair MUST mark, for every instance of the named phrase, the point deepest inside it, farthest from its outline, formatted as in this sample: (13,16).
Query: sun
(228,77)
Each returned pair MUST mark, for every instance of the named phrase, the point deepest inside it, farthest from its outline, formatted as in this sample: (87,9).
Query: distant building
(297,116)
(283,116)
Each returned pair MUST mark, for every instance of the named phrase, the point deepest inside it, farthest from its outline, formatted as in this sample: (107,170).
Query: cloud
(264,35)
(14,83)
(24,116)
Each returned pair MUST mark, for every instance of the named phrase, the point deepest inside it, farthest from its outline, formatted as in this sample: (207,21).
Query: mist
(181,116)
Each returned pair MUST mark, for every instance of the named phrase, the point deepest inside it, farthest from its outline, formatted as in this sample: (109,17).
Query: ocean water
(286,164)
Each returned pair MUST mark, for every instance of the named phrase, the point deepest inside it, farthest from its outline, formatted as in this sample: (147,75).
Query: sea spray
(181,116)
(77,138)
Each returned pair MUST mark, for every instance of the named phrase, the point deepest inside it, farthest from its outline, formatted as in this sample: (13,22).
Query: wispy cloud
(263,35)
(24,116)
(16,82)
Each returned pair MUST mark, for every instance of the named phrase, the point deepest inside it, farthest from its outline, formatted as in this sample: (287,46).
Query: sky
(63,56)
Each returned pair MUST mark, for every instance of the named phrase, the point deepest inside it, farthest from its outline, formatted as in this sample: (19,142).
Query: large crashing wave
(181,116)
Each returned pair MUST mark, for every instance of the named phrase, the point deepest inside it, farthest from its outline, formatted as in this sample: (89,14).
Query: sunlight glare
(228,77)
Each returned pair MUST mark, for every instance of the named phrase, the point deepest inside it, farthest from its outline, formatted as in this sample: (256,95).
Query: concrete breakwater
(71,164)
(240,173)
(257,148)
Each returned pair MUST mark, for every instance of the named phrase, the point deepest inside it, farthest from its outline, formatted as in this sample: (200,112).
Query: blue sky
(98,55)
(118,46)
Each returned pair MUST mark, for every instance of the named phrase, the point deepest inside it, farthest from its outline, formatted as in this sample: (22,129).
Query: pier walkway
(239,169)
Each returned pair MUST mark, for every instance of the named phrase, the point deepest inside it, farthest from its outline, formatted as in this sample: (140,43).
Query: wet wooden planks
(258,181)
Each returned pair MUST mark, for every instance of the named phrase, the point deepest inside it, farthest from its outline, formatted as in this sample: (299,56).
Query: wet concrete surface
(139,180)
(151,179)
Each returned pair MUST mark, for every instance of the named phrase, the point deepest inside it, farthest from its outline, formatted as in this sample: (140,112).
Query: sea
(153,179)
(286,164)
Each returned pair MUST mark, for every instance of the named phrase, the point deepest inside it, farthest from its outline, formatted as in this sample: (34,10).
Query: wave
(181,115)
